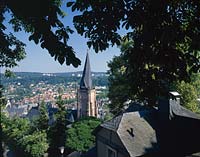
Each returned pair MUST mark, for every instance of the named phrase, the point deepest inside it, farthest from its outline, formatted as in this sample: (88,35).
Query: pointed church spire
(86,80)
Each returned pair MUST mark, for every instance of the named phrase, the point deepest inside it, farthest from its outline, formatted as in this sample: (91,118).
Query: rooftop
(86,80)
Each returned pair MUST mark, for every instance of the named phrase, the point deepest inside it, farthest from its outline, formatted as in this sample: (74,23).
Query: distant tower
(86,93)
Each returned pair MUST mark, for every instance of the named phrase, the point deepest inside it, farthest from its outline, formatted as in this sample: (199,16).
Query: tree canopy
(41,19)
(19,134)
(41,122)
(79,136)
(56,133)
(119,81)
(188,95)
(165,37)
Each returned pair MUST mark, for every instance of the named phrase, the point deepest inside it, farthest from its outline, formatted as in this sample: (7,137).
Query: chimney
(165,106)
(174,98)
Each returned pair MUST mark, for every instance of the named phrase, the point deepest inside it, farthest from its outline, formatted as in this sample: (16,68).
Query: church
(86,105)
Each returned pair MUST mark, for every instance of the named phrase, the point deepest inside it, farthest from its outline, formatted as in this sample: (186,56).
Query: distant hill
(36,74)
(27,78)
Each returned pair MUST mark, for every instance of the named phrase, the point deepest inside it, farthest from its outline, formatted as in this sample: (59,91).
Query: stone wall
(87,103)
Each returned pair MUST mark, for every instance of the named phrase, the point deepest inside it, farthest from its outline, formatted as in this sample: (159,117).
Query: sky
(39,60)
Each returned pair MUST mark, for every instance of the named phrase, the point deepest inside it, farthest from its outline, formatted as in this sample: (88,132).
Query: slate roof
(135,130)
(140,129)
(86,80)
(194,155)
(112,124)
(136,134)
(52,111)
(34,112)
(72,115)
(15,111)
(178,110)
(175,109)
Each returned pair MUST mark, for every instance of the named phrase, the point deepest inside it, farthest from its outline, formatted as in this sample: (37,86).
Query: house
(35,113)
(12,110)
(168,130)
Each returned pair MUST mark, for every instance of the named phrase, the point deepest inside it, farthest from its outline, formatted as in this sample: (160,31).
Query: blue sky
(39,60)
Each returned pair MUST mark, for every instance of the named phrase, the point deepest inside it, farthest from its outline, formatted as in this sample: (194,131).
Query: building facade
(142,131)
(86,94)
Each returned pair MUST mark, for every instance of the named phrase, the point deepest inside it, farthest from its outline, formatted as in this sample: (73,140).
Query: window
(111,152)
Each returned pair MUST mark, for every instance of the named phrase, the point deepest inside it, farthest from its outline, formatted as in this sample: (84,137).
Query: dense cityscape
(27,90)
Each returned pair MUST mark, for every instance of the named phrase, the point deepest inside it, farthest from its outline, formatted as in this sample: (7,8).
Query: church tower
(86,94)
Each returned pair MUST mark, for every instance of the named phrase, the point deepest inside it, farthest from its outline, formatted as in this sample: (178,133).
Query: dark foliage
(165,36)
(41,20)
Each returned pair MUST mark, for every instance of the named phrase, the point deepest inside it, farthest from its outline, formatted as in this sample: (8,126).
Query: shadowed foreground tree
(2,106)
(41,20)
(41,122)
(119,81)
(44,117)
(165,36)
(56,134)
